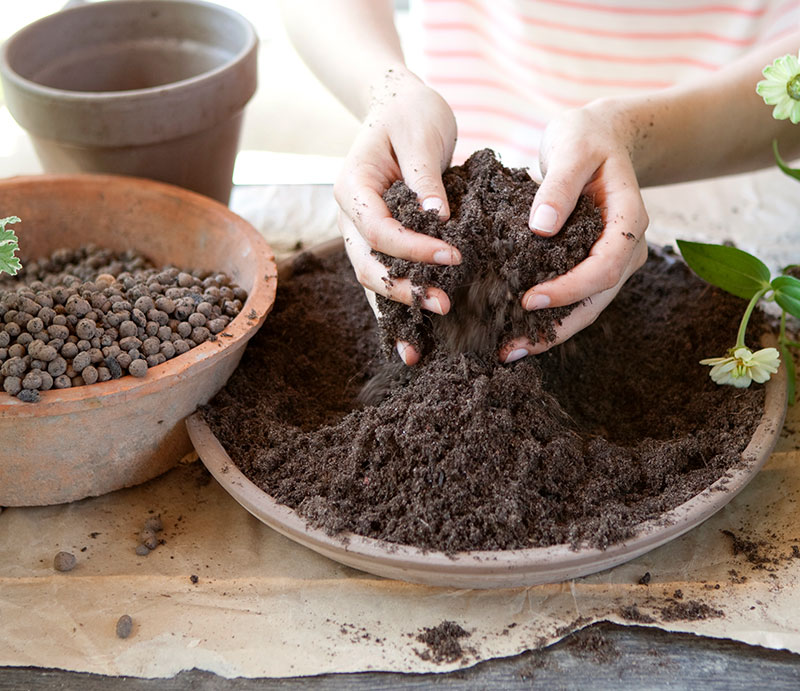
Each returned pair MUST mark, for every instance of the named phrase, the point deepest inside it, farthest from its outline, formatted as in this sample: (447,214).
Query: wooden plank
(603,656)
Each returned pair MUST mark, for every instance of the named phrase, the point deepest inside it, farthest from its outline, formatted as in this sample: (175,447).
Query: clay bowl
(93,439)
(492,569)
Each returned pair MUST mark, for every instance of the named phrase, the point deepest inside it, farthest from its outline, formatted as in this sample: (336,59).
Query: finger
(568,172)
(587,312)
(422,163)
(516,349)
(373,275)
(408,353)
(609,258)
(359,190)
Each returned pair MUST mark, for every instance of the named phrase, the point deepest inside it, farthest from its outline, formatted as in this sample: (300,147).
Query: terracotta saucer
(492,569)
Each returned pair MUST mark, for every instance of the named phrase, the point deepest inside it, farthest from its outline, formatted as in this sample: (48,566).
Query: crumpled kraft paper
(225,593)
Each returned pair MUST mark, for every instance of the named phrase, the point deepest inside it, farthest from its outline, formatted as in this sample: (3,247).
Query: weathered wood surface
(626,657)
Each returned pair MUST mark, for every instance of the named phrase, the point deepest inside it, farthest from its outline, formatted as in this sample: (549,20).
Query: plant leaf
(8,246)
(790,373)
(787,294)
(729,268)
(791,172)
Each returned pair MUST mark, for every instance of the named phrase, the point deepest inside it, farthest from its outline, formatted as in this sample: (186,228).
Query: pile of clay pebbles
(89,315)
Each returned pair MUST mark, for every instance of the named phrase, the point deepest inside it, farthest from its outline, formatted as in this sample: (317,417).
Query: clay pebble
(148,538)
(79,317)
(64,561)
(124,626)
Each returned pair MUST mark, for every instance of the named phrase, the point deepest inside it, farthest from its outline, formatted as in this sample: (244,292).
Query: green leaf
(791,172)
(8,246)
(787,294)
(788,360)
(729,268)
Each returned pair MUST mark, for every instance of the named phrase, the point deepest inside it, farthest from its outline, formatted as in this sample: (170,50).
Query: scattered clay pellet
(154,524)
(89,315)
(148,539)
(64,561)
(124,626)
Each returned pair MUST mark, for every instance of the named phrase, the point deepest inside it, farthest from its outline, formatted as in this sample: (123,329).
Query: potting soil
(579,445)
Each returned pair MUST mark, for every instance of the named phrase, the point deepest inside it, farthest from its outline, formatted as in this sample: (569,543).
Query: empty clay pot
(151,88)
(90,440)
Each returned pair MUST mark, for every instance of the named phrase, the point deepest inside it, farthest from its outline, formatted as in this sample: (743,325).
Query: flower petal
(741,382)
(713,360)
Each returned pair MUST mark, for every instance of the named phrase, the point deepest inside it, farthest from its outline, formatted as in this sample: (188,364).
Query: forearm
(350,45)
(716,126)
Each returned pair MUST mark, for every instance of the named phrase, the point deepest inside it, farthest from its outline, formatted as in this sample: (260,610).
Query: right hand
(409,133)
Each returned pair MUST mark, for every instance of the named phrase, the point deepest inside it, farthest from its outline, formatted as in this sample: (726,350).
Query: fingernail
(537,302)
(515,355)
(447,257)
(544,219)
(432,204)
(432,304)
(402,346)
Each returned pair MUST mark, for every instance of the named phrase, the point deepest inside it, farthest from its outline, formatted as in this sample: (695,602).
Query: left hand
(586,151)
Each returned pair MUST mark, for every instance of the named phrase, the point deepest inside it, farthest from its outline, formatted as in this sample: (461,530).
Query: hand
(586,151)
(409,134)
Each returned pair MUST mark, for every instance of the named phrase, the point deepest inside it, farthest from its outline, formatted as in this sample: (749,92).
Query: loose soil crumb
(754,552)
(577,446)
(594,645)
(443,642)
(634,614)
(501,259)
(691,610)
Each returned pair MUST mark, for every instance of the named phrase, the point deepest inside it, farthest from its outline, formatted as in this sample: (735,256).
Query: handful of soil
(501,259)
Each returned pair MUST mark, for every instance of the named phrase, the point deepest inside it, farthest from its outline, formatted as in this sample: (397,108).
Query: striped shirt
(507,66)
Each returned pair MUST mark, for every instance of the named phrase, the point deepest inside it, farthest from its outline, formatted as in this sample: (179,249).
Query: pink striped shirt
(507,66)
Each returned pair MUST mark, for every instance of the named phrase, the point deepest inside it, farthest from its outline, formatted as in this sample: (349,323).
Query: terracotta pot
(152,88)
(490,569)
(93,439)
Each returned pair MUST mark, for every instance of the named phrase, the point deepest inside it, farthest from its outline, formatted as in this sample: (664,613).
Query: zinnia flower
(781,88)
(743,366)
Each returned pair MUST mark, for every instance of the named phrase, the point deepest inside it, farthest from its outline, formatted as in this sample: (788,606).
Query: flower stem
(746,316)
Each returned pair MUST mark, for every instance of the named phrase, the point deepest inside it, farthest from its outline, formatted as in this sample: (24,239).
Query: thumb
(422,172)
(557,195)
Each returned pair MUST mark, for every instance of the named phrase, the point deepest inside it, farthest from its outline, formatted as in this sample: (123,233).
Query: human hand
(409,134)
(586,151)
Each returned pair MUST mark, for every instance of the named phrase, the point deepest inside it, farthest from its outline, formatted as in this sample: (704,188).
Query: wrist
(384,84)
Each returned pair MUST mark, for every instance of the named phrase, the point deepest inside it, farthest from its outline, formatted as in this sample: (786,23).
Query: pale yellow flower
(781,88)
(743,366)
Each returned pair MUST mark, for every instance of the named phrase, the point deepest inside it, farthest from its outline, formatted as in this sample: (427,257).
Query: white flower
(744,366)
(781,88)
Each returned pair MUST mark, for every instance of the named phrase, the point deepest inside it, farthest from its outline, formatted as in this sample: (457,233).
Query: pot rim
(260,299)
(251,42)
(226,89)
